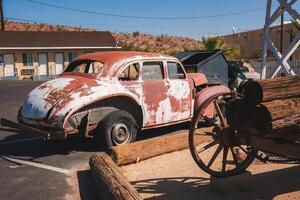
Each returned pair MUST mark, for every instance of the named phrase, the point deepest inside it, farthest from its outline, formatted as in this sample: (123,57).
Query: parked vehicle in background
(242,71)
(216,68)
(115,94)
(212,64)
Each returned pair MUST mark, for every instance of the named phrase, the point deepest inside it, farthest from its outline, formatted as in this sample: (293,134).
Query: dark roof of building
(51,40)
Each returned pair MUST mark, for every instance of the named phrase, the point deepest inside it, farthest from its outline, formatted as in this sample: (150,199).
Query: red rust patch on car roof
(109,58)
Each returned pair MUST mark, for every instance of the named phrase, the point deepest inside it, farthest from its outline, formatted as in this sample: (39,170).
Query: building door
(59,62)
(43,64)
(9,64)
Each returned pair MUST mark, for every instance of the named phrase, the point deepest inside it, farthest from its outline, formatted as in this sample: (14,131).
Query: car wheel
(118,128)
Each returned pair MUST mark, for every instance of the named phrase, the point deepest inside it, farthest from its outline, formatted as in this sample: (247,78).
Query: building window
(72,56)
(27,59)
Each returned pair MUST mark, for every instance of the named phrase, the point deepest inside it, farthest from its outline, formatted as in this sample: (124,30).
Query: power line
(80,24)
(145,17)
(63,23)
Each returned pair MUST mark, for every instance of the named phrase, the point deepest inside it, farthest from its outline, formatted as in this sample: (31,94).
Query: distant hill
(136,41)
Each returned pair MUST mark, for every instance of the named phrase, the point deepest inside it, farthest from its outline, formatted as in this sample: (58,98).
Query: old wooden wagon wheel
(221,155)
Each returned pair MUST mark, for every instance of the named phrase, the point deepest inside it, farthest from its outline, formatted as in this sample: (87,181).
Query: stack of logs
(272,106)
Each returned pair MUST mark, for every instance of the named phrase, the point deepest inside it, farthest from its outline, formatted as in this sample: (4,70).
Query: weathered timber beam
(141,150)
(109,181)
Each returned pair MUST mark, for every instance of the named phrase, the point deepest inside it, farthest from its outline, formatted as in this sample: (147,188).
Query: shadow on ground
(86,185)
(265,186)
(40,148)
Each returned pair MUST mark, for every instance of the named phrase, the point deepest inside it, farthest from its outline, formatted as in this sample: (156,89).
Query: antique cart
(243,128)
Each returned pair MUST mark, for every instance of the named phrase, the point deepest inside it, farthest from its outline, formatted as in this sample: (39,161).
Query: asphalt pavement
(31,168)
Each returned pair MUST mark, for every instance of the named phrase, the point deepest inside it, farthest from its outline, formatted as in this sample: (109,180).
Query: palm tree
(297,26)
(214,43)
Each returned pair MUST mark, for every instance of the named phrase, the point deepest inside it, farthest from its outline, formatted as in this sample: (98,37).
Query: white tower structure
(285,6)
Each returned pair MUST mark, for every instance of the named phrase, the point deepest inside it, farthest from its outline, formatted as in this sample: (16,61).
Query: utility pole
(281,33)
(2,16)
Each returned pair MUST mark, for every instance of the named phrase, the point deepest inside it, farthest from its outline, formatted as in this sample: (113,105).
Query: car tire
(118,128)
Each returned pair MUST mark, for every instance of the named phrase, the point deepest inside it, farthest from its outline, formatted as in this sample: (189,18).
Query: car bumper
(45,132)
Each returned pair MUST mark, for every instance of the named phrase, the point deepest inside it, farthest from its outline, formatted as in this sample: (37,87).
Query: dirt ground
(176,176)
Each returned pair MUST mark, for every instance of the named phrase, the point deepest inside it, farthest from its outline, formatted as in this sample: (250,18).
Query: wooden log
(282,108)
(269,118)
(141,150)
(271,89)
(273,104)
(109,181)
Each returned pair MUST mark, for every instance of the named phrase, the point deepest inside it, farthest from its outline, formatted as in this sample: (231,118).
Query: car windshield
(85,66)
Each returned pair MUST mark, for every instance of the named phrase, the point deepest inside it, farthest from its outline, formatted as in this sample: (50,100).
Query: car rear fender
(100,107)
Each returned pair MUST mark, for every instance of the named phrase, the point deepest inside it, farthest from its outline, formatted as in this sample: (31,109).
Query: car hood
(44,97)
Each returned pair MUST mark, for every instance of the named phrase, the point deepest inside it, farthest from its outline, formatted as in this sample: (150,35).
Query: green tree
(232,52)
(212,43)
(296,25)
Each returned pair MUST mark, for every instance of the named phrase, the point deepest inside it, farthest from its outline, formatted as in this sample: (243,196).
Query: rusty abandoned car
(113,95)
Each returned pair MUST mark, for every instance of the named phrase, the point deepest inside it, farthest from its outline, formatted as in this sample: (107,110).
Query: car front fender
(206,94)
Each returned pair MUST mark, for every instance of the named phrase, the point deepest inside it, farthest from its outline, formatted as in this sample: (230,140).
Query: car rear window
(85,66)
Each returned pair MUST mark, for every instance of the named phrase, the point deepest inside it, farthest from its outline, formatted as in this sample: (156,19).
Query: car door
(179,91)
(157,107)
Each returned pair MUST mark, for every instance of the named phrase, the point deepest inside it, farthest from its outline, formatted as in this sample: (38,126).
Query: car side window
(175,70)
(152,71)
(130,73)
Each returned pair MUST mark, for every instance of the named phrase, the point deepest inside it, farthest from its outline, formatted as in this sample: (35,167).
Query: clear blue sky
(194,28)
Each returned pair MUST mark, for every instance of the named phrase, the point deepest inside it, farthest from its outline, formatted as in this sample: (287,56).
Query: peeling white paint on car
(178,89)
(35,105)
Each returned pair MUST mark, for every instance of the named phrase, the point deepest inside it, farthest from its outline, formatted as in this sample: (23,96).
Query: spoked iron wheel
(216,148)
